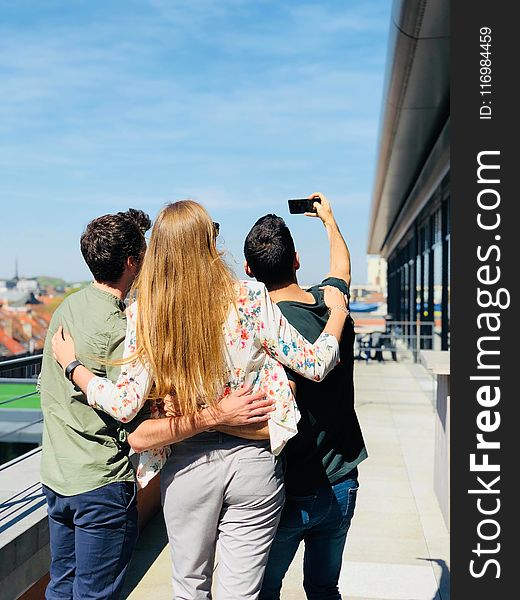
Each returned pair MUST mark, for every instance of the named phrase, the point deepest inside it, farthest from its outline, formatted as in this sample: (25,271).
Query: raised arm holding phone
(321,461)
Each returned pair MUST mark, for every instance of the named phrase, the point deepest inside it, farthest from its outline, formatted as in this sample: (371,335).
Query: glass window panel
(437,293)
(425,284)
(418,287)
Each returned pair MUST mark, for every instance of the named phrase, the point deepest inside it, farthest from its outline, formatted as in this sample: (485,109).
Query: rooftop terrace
(398,546)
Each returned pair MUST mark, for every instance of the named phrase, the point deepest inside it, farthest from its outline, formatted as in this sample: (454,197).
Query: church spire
(16,269)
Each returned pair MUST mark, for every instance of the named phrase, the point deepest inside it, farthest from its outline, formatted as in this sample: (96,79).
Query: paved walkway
(398,545)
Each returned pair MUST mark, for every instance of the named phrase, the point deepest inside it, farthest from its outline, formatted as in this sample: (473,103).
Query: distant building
(12,289)
(376,273)
(15,299)
(365,292)
(9,346)
(23,329)
(28,285)
(410,216)
(374,291)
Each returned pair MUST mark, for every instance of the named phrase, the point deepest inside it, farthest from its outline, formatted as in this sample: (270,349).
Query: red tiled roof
(12,345)
(47,299)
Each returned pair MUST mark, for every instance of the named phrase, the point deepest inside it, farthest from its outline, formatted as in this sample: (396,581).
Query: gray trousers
(221,496)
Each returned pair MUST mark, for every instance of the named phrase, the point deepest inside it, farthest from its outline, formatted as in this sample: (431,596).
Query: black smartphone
(298,206)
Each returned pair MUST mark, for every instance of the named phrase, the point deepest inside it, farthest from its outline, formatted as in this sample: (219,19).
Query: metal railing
(26,370)
(402,339)
(20,370)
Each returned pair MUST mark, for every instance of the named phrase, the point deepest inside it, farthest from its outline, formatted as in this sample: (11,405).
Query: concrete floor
(398,544)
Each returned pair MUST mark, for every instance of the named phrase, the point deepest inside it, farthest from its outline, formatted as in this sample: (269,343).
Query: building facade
(410,217)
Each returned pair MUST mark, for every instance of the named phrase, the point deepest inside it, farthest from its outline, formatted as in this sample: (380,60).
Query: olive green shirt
(83,449)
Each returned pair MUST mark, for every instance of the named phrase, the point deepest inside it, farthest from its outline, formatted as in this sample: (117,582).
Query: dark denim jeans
(92,537)
(322,522)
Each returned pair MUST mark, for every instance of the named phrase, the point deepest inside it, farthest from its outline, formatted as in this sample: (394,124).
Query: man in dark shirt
(321,476)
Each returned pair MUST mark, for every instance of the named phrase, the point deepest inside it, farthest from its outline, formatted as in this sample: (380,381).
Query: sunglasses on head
(216,227)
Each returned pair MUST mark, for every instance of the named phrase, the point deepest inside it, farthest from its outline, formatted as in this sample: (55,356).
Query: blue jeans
(322,522)
(92,537)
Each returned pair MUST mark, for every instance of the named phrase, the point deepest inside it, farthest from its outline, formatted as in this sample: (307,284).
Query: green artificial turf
(12,390)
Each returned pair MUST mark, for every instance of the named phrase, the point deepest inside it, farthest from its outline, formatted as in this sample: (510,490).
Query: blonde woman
(196,334)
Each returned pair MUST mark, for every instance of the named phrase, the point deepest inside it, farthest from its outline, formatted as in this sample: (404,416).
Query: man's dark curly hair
(109,240)
(269,251)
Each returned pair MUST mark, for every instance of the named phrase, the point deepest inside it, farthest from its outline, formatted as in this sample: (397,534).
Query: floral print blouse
(259,340)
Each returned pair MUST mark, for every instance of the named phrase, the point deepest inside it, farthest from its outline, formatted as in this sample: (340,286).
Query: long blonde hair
(185,291)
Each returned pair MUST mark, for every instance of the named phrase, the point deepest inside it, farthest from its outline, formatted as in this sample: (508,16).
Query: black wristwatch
(69,369)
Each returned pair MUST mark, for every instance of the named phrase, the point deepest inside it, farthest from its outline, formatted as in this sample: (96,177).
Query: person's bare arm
(237,410)
(339,252)
(257,431)
(156,433)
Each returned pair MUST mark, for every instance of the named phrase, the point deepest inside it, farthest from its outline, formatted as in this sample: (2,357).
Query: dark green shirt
(329,443)
(82,448)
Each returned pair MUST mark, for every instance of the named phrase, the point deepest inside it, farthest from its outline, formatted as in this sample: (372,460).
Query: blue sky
(240,104)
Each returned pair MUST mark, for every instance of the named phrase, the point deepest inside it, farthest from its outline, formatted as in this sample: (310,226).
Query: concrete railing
(21,426)
(24,532)
(439,364)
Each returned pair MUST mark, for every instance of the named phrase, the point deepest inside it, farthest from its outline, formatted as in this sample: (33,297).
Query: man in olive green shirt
(86,473)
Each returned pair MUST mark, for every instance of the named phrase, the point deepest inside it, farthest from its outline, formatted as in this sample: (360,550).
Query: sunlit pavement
(398,545)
